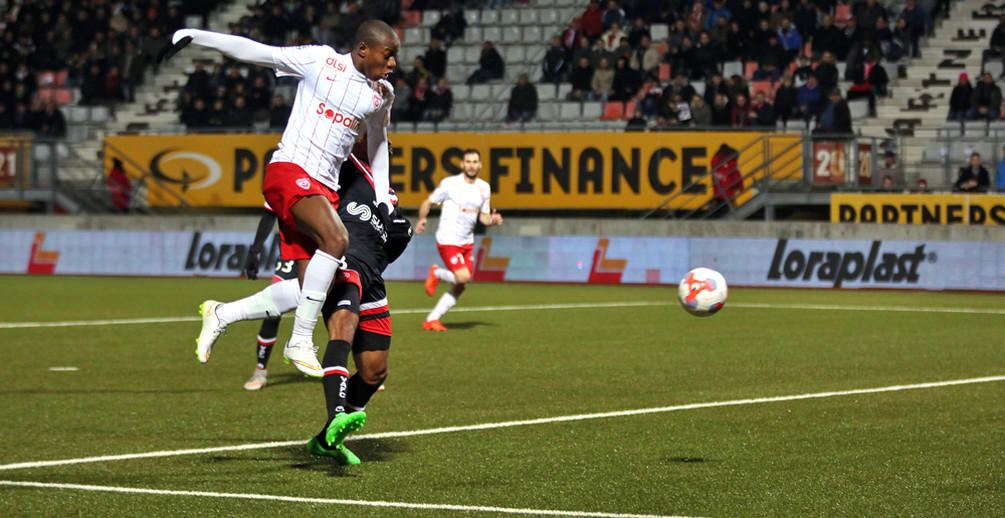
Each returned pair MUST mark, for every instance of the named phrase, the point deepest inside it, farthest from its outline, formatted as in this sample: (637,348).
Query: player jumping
(339,97)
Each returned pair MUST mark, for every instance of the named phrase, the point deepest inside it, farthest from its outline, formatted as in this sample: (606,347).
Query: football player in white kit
(465,200)
(339,98)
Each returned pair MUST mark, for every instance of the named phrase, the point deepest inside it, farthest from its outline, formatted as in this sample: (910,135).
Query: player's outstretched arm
(237,47)
(420,224)
(378,148)
(490,220)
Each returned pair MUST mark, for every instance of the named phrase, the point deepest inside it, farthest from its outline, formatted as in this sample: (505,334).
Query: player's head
(376,49)
(471,162)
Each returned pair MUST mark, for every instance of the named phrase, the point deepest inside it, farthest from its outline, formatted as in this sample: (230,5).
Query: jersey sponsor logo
(337,117)
(850,266)
(364,213)
(303,183)
(336,64)
(207,173)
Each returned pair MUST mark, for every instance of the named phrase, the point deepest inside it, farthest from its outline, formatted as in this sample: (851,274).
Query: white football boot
(212,328)
(304,356)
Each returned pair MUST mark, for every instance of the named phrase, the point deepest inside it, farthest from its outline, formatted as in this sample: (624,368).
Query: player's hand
(420,226)
(253,261)
(497,218)
(178,41)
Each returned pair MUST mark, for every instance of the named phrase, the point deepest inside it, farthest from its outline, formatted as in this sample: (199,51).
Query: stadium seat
(63,96)
(411,18)
(563,90)
(592,110)
(859,108)
(493,34)
(481,92)
(731,68)
(763,85)
(430,18)
(630,109)
(507,18)
(664,72)
(613,110)
(472,16)
(472,53)
(529,16)
(511,34)
(661,49)
(569,111)
(533,33)
(547,111)
(515,54)
(748,70)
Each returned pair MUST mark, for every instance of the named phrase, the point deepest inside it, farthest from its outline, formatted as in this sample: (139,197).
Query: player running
(465,199)
(339,97)
(356,311)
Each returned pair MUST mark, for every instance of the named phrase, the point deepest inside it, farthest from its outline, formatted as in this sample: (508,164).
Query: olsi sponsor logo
(210,255)
(337,117)
(841,267)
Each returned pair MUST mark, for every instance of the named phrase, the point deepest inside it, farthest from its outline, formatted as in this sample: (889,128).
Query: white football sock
(317,279)
(444,274)
(446,302)
(271,302)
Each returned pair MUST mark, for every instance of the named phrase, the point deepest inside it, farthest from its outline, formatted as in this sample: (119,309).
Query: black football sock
(336,376)
(266,339)
(359,392)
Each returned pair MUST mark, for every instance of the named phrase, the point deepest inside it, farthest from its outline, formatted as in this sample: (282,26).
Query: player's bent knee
(462,277)
(374,376)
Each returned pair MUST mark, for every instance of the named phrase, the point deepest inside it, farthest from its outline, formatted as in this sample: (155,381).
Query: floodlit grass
(923,452)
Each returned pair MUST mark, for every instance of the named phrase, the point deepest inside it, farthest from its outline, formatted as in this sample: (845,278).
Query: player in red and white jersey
(339,98)
(465,200)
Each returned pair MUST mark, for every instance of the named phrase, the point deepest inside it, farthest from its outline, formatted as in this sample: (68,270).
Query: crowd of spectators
(99,46)
(609,55)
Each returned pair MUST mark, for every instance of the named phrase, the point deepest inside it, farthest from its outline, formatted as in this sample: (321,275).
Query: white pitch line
(366,503)
(509,424)
(532,307)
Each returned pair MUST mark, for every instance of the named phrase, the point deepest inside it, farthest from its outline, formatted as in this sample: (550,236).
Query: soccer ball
(702,292)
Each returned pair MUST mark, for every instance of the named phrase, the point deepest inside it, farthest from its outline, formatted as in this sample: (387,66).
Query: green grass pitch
(545,351)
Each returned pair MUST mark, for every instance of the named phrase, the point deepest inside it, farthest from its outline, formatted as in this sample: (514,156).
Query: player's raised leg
(271,302)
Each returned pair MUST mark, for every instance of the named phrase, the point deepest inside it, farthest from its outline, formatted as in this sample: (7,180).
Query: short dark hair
(472,151)
(374,32)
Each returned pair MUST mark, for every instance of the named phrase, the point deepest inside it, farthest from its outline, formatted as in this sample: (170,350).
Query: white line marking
(508,424)
(399,505)
(64,369)
(585,305)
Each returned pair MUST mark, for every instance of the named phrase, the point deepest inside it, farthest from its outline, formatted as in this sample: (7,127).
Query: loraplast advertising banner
(929,265)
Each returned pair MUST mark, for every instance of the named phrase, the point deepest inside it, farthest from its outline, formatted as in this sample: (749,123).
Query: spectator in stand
(279,112)
(868,12)
(789,38)
(450,27)
(763,13)
(829,38)
(704,59)
(553,69)
(6,117)
(241,116)
(915,19)
(701,114)
(612,37)
(678,30)
(805,19)
(582,78)
(973,177)
(402,99)
(571,37)
(696,18)
(626,81)
(718,35)
(602,81)
(259,95)
(714,86)
(721,111)
(522,101)
(435,59)
(490,65)
(826,71)
(419,100)
(92,86)
(1000,175)
(585,50)
(49,121)
(330,22)
(783,11)
(808,99)
(613,14)
(889,168)
(638,29)
(197,116)
(198,83)
(763,111)
(677,61)
(637,123)
(870,81)
(440,101)
(677,111)
(996,49)
(741,113)
(804,68)
(591,22)
(718,10)
(959,100)
(737,43)
(889,47)
(650,96)
(986,101)
(835,119)
(772,60)
(219,115)
(417,72)
(645,59)
(352,18)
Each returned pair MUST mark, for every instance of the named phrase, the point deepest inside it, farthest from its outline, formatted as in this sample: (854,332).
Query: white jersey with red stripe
(334,104)
(462,202)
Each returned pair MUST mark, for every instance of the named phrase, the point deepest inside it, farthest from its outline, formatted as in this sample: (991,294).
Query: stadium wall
(819,255)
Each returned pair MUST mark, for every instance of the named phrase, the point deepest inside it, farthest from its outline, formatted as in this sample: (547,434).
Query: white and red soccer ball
(702,292)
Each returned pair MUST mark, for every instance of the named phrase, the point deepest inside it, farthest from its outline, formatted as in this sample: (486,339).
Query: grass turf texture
(928,452)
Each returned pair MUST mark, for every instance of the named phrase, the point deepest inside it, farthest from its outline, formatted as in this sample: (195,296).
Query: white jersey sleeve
(299,62)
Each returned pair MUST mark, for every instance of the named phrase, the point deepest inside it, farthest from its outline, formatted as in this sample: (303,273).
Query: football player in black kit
(356,311)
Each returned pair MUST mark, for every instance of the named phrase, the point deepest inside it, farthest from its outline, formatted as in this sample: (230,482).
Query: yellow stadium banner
(919,209)
(525,170)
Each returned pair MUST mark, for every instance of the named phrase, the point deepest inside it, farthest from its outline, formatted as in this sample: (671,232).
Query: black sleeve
(265,226)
